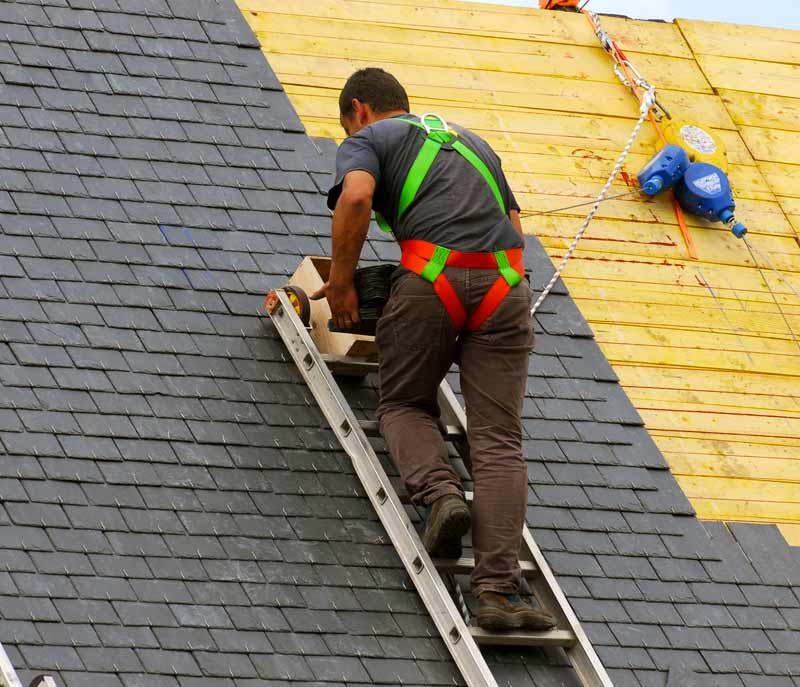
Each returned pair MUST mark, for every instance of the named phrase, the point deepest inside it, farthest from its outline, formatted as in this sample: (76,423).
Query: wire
(779,274)
(772,293)
(531,213)
(725,315)
(644,111)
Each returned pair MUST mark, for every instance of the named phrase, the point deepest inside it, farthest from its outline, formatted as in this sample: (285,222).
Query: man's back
(454,206)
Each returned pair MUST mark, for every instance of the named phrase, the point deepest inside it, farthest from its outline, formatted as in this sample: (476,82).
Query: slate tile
(766,549)
(764,618)
(65,634)
(160,661)
(121,659)
(45,657)
(734,639)
(282,667)
(86,611)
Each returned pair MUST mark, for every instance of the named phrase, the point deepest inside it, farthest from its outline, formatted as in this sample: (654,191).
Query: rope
(772,293)
(648,101)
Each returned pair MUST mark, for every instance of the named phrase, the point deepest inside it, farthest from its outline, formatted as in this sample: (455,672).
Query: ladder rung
(563,638)
(464,566)
(372,429)
(347,365)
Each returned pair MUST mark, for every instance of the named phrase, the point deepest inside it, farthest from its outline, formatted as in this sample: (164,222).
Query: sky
(783,13)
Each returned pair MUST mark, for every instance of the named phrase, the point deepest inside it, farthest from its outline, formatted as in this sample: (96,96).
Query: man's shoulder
(469,136)
(390,128)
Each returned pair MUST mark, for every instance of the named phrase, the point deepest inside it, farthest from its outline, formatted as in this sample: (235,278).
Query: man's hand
(343,301)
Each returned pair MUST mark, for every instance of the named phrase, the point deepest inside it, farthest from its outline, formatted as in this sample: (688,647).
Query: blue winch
(665,169)
(702,189)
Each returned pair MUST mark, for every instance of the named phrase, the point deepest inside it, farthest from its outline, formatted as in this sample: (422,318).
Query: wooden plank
(751,509)
(560,94)
(739,489)
(541,59)
(722,466)
(477,20)
(532,131)
(710,400)
(320,121)
(782,430)
(745,42)
(782,178)
(730,447)
(754,77)
(648,326)
(762,110)
(680,378)
(762,216)
(772,145)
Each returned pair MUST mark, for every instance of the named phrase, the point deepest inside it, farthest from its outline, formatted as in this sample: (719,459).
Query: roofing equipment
(559,5)
(450,619)
(9,677)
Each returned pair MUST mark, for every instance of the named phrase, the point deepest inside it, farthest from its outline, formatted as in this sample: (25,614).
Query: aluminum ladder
(9,677)
(462,640)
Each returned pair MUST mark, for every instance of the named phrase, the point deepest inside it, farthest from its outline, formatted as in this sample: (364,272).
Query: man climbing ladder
(459,296)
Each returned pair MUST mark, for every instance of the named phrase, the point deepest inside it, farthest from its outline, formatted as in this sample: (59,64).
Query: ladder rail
(418,564)
(582,655)
(8,676)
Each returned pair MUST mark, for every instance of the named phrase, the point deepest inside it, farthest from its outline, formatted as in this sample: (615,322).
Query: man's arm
(350,227)
(513,215)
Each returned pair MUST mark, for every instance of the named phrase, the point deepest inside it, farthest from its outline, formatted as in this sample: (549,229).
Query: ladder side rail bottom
(582,655)
(454,632)
(8,676)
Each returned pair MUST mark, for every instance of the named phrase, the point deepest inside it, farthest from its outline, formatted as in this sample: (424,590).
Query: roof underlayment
(174,511)
(699,345)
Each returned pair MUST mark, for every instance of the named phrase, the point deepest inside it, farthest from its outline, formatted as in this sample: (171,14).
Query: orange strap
(622,60)
(416,255)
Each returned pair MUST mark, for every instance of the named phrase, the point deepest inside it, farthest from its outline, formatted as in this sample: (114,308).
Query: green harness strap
(437,136)
(424,161)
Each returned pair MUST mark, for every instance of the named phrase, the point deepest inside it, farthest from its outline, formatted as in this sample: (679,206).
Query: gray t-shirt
(454,207)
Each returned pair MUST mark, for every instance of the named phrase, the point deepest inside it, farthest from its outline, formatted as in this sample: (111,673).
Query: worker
(459,296)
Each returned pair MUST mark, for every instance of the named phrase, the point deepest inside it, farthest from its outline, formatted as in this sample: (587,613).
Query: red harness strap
(418,255)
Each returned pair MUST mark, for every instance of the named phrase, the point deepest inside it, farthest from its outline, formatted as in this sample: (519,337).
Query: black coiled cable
(373,285)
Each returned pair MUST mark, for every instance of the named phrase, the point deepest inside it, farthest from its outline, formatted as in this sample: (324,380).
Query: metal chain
(648,101)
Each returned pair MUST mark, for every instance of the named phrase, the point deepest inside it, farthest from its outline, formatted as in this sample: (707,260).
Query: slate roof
(174,510)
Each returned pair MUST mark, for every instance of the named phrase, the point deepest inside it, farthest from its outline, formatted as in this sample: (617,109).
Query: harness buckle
(442,127)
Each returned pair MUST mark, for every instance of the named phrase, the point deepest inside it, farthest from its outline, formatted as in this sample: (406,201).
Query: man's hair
(375,87)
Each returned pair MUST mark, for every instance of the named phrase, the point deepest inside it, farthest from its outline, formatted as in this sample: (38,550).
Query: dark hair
(375,87)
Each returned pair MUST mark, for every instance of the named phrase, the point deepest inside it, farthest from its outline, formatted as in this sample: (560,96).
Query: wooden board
(745,42)
(310,276)
(476,20)
(700,346)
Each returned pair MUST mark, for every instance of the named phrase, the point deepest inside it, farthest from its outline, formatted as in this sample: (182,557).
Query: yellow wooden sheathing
(700,346)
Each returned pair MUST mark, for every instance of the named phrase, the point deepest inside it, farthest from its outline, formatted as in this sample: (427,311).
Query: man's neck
(389,115)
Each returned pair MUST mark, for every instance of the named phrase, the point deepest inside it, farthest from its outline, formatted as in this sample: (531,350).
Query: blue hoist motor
(702,188)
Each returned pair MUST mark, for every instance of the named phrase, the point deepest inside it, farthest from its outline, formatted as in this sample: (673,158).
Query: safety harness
(429,260)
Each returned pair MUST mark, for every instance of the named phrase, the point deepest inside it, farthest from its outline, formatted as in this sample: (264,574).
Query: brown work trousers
(417,345)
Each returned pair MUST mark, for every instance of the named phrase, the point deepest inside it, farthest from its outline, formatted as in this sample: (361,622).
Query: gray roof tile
(155,429)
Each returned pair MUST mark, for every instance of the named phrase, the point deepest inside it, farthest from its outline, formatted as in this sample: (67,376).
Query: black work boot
(449,519)
(499,612)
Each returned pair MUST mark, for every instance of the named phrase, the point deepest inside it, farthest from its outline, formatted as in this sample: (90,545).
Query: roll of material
(373,285)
